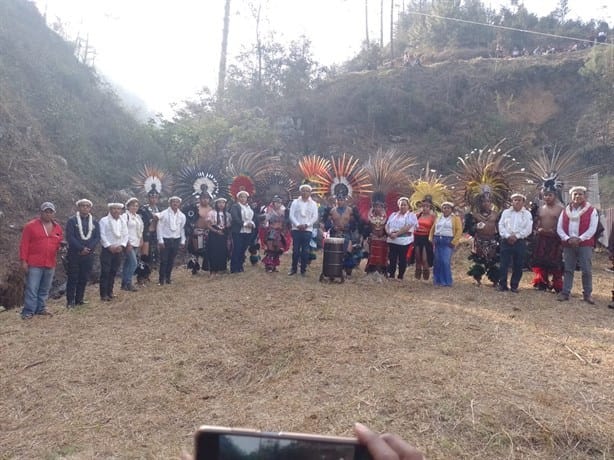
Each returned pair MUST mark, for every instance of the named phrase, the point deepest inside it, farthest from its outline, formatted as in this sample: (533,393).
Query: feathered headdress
(245,169)
(488,172)
(389,175)
(153,181)
(315,169)
(194,180)
(429,186)
(346,177)
(551,170)
(275,181)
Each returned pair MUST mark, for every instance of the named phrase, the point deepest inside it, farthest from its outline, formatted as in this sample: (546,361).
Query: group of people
(143,237)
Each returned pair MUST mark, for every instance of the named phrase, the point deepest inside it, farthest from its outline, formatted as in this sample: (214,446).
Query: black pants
(397,254)
(79,270)
(109,264)
(167,258)
(512,254)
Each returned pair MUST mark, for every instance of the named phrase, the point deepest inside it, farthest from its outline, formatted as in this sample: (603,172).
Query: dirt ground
(461,373)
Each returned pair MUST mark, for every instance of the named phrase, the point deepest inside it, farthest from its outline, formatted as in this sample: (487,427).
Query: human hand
(24,265)
(385,446)
(160,246)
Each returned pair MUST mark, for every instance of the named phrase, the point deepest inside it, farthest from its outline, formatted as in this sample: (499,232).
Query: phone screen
(276,446)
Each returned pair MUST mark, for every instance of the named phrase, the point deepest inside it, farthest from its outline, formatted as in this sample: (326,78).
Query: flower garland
(90,227)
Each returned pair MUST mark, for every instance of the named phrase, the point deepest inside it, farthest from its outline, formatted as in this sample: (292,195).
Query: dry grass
(462,373)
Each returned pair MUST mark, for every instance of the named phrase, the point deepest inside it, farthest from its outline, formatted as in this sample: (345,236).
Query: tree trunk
(391,30)
(381,24)
(221,79)
(367,22)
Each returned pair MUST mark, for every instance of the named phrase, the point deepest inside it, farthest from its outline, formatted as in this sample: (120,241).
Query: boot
(426,273)
(418,274)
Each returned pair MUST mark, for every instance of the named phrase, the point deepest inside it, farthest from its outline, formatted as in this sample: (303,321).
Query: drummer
(341,223)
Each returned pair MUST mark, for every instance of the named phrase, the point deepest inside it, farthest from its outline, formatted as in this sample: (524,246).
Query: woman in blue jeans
(134,222)
(445,235)
(242,229)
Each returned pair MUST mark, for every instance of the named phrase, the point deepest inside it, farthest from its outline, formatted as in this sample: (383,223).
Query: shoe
(105,298)
(611,305)
(70,306)
(589,300)
(27,316)
(426,273)
(539,287)
(292,272)
(45,313)
(303,273)
(131,288)
(562,297)
(500,288)
(514,290)
(418,273)
(83,302)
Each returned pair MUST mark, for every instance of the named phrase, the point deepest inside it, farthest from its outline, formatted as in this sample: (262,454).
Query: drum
(332,264)
(378,253)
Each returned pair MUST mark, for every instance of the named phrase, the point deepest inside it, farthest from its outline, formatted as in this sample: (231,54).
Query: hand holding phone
(385,446)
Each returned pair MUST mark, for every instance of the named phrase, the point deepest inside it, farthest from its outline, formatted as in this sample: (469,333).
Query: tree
(222,70)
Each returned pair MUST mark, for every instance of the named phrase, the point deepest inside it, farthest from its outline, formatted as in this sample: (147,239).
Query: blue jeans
(581,255)
(442,263)
(300,249)
(240,243)
(512,254)
(38,283)
(130,264)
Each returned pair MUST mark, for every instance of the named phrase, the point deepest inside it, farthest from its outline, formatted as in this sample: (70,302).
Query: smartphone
(221,443)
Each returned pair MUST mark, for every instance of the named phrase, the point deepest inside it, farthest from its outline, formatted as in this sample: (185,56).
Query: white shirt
(247,216)
(515,223)
(135,228)
(443,226)
(303,212)
(170,225)
(113,232)
(396,221)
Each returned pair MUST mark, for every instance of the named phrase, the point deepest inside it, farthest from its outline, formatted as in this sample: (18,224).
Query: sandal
(45,313)
(27,316)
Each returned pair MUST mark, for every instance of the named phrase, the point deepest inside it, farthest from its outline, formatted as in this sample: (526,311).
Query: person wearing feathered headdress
(218,238)
(197,231)
(82,235)
(242,230)
(576,226)
(547,256)
(342,222)
(273,234)
(376,246)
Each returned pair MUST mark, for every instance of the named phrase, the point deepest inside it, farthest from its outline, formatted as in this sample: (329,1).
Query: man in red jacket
(40,242)
(576,227)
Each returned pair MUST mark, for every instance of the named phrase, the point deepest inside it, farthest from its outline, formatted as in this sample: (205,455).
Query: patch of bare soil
(461,373)
(535,105)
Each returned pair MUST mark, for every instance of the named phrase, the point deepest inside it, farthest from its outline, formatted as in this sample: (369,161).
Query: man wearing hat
(515,225)
(114,239)
(40,242)
(303,215)
(82,235)
(242,227)
(576,227)
(171,237)
(547,257)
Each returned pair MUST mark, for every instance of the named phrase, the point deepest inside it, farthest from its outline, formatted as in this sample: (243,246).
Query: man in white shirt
(515,225)
(576,226)
(171,237)
(114,239)
(303,215)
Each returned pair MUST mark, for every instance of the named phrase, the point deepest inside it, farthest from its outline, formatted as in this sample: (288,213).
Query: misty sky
(166,51)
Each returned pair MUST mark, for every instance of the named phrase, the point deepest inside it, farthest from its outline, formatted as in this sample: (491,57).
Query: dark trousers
(512,254)
(109,264)
(79,270)
(167,258)
(240,243)
(300,248)
(397,254)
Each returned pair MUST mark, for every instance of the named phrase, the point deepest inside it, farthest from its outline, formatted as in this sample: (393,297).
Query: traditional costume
(274,234)
(485,181)
(219,236)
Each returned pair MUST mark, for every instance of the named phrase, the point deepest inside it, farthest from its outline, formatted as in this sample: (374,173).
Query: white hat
(84,201)
(115,205)
(447,203)
(518,195)
(576,189)
(132,200)
(242,192)
(403,198)
(307,187)
(175,198)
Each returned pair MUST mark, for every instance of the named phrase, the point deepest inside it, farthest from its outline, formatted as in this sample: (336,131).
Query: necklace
(90,227)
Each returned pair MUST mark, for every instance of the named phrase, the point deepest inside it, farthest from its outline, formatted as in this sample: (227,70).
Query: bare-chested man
(547,253)
(482,225)
(342,223)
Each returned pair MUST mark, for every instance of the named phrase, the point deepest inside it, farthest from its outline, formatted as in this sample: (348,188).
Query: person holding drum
(400,230)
